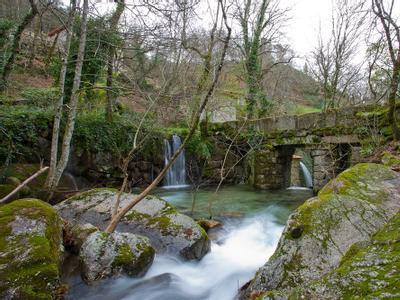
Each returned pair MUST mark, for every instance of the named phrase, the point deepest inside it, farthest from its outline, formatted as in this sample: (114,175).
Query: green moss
(353,181)
(22,172)
(5,189)
(87,195)
(368,270)
(133,215)
(164,222)
(124,256)
(168,132)
(390,160)
(30,261)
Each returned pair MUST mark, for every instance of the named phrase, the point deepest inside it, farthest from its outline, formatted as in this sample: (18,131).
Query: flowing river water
(252,224)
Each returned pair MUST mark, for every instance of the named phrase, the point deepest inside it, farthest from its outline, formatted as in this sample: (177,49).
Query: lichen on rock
(348,210)
(168,230)
(368,270)
(30,250)
(104,255)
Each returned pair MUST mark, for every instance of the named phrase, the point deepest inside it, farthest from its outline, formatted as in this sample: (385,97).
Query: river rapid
(252,224)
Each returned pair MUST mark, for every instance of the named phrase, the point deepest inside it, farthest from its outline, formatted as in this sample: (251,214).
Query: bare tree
(378,72)
(9,62)
(110,60)
(59,108)
(260,23)
(58,167)
(391,31)
(332,61)
(195,120)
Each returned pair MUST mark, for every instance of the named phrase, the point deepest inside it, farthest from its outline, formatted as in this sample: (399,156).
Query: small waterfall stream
(176,175)
(306,175)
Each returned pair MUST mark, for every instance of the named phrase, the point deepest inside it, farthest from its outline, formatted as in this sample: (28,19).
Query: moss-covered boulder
(104,255)
(75,234)
(391,160)
(348,210)
(168,230)
(368,270)
(30,250)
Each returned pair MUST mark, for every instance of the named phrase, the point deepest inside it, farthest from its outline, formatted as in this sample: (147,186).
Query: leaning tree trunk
(60,104)
(5,72)
(121,213)
(69,128)
(110,61)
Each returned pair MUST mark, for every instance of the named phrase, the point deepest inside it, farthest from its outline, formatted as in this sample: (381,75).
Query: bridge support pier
(269,168)
(272,167)
(323,167)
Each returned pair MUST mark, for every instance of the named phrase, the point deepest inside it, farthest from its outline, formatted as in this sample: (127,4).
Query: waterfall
(176,175)
(306,175)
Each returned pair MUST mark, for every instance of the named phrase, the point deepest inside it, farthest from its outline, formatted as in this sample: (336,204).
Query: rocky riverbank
(35,238)
(341,243)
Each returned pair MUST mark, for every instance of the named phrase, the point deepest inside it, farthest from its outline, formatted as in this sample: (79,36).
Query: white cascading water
(176,175)
(306,175)
(218,276)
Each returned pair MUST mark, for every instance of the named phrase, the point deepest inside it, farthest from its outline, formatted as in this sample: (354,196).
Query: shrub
(41,97)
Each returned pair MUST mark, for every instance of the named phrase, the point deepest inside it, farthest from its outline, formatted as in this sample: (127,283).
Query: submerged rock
(30,250)
(168,230)
(348,210)
(104,255)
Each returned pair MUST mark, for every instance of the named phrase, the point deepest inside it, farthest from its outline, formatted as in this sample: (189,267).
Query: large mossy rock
(104,255)
(348,210)
(369,270)
(30,250)
(168,230)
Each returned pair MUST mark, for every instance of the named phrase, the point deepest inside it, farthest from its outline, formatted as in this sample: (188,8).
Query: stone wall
(270,168)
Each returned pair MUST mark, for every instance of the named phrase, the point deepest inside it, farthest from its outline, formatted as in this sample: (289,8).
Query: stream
(252,224)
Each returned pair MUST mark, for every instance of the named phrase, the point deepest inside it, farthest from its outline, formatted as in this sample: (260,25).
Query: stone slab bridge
(328,143)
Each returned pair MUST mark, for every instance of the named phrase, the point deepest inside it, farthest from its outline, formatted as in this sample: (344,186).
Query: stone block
(308,121)
(285,123)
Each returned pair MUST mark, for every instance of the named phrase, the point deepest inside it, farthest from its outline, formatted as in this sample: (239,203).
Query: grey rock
(76,234)
(168,230)
(105,255)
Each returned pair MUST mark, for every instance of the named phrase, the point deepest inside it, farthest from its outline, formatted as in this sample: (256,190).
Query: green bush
(41,97)
(199,146)
(20,130)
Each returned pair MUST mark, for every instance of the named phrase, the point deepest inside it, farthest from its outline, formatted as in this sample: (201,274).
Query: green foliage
(367,150)
(21,128)
(99,38)
(199,146)
(6,26)
(94,134)
(41,97)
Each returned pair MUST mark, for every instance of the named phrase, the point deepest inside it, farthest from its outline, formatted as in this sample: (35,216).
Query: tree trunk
(36,33)
(69,128)
(394,84)
(5,72)
(121,213)
(110,61)
(59,108)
